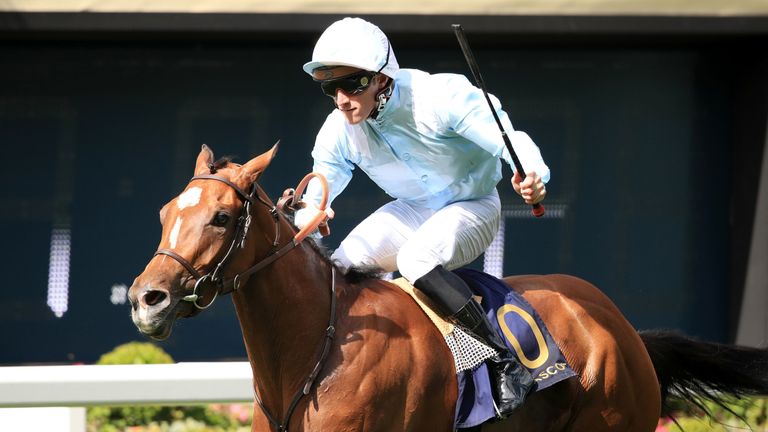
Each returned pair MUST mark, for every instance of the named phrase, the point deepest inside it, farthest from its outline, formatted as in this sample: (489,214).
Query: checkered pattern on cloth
(468,352)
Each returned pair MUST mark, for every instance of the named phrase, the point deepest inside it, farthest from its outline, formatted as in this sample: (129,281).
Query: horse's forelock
(223,162)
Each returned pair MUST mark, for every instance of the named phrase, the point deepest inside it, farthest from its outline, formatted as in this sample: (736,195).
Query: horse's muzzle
(152,311)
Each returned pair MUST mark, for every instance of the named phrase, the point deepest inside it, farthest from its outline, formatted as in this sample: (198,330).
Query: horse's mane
(359,274)
(353,275)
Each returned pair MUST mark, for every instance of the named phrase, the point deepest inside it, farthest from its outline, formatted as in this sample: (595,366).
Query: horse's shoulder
(380,317)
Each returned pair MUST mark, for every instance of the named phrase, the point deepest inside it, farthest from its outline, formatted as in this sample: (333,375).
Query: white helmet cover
(354,42)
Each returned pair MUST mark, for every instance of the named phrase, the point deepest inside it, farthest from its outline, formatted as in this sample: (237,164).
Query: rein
(238,242)
(330,332)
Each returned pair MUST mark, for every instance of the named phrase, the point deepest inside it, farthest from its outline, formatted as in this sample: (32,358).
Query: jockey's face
(353,90)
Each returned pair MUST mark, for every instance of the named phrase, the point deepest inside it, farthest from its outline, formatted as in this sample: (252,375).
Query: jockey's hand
(532,189)
(306,214)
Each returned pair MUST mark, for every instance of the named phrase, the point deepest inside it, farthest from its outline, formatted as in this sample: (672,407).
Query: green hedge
(135,353)
(154,418)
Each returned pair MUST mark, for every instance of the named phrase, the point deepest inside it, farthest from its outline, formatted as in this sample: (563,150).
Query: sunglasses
(351,84)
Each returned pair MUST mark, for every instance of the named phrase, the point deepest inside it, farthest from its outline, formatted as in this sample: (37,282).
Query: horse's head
(202,228)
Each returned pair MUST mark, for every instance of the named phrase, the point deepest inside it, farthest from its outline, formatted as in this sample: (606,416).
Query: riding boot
(513,380)
(453,296)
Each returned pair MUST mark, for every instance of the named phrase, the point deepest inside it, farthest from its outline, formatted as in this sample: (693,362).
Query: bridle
(215,276)
(290,198)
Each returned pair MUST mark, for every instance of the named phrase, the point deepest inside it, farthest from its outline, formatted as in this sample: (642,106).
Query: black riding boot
(512,380)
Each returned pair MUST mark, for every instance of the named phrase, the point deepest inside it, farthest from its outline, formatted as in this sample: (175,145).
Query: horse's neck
(284,312)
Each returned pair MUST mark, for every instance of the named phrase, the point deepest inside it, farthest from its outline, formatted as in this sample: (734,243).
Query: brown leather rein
(290,198)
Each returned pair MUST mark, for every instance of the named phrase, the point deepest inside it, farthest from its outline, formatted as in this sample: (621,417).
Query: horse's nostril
(154,297)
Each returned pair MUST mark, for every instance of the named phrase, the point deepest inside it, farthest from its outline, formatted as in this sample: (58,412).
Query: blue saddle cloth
(524,333)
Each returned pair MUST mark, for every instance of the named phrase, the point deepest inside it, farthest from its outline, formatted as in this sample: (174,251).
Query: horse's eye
(220,219)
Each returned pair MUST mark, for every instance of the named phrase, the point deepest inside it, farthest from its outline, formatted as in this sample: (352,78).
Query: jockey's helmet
(357,43)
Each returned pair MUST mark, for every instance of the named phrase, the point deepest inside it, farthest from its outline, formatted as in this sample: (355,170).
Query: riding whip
(537,209)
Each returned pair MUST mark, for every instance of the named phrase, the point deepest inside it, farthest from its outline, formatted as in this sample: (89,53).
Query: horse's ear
(204,160)
(163,211)
(254,167)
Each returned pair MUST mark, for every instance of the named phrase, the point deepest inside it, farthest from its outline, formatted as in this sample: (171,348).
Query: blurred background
(652,116)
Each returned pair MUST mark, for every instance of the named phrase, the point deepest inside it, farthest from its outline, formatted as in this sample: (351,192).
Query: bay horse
(335,353)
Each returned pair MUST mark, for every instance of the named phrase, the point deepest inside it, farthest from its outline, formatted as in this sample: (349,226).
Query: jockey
(430,142)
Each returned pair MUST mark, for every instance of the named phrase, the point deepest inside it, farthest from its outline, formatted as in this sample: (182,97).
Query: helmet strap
(382,98)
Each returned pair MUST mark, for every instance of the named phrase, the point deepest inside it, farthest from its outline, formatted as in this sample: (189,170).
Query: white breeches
(414,240)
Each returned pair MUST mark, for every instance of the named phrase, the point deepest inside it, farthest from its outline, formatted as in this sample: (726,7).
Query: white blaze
(175,233)
(189,198)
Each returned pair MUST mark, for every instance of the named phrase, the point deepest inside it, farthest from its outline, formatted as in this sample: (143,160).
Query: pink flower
(662,426)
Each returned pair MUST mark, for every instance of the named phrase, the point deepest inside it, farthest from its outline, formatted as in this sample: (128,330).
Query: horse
(343,353)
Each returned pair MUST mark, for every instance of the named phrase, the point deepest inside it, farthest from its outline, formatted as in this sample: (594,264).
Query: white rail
(165,384)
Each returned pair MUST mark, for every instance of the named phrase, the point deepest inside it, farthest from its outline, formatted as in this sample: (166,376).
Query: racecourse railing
(160,384)
(77,386)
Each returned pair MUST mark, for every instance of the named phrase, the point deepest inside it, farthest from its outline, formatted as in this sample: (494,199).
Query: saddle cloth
(523,331)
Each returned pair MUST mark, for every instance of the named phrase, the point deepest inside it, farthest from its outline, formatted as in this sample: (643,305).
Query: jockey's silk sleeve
(434,143)
(332,161)
(470,116)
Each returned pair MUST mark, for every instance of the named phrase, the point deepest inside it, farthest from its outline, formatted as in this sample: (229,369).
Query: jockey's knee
(353,253)
(414,261)
(344,261)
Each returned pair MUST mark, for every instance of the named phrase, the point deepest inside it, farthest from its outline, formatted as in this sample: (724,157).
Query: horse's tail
(696,370)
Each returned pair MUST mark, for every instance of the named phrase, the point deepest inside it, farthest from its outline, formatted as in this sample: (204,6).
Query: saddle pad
(467,351)
(426,305)
(524,333)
